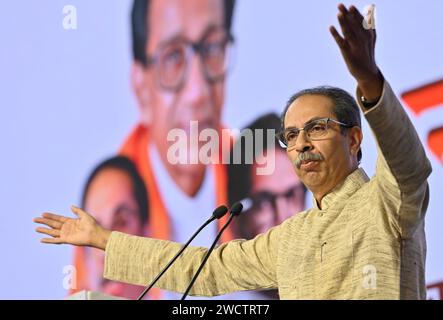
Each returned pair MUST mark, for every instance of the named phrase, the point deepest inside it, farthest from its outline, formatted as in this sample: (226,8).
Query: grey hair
(345,107)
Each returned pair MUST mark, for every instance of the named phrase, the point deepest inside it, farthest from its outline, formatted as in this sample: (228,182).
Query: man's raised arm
(402,165)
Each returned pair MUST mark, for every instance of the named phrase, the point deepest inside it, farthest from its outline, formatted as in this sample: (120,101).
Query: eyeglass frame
(196,48)
(281,135)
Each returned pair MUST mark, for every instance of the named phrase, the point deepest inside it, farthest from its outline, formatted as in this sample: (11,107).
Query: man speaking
(363,239)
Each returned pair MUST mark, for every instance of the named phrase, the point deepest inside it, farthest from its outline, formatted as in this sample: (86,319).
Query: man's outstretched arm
(234,266)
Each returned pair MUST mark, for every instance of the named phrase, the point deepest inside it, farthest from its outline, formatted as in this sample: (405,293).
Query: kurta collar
(349,186)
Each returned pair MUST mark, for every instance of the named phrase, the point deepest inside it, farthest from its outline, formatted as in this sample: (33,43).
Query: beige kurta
(367,242)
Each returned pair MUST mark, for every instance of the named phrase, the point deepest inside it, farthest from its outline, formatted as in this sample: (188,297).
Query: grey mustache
(307,157)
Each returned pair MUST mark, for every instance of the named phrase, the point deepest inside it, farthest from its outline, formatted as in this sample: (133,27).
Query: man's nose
(302,144)
(197,88)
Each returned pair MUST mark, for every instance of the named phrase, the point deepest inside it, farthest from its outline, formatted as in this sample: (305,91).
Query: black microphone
(236,209)
(217,214)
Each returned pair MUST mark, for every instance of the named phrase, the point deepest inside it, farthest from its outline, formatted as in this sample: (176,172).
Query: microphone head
(236,208)
(220,211)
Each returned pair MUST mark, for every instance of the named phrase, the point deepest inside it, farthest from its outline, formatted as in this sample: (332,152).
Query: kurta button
(321,214)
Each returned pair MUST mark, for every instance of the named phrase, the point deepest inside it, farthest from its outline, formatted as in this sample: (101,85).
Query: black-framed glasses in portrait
(172,58)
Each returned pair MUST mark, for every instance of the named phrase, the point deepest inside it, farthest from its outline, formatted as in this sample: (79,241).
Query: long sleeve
(402,165)
(233,266)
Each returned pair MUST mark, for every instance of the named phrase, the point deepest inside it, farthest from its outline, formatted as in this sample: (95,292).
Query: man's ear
(140,88)
(355,135)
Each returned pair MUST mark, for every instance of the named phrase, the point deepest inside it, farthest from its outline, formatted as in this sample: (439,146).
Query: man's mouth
(308,164)
(307,161)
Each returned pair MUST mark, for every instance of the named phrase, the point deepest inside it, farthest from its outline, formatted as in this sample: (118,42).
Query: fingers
(342,8)
(79,212)
(49,222)
(355,19)
(340,41)
(50,232)
(54,217)
(51,240)
(351,21)
(358,16)
(345,28)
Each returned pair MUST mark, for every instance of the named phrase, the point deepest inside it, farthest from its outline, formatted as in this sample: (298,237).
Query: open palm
(81,231)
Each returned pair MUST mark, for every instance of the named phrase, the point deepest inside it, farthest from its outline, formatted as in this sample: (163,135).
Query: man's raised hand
(357,47)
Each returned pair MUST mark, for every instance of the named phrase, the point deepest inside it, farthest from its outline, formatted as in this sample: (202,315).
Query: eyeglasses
(265,199)
(314,130)
(172,59)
